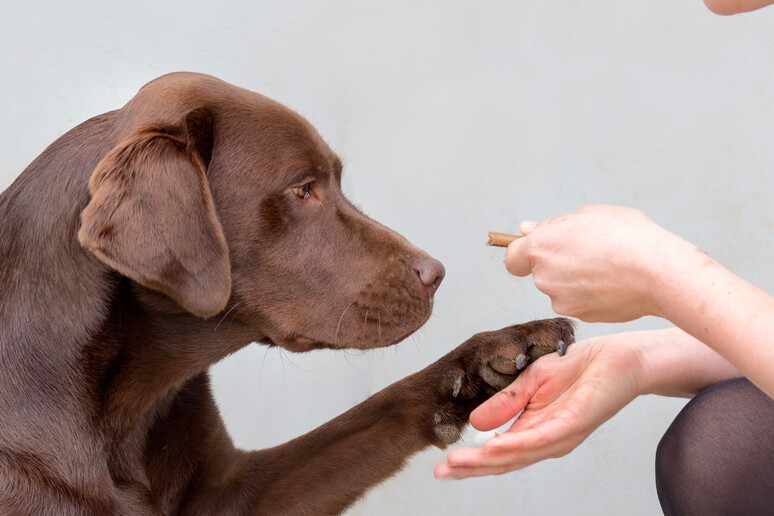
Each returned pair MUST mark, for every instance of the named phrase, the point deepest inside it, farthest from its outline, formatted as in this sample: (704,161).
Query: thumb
(516,258)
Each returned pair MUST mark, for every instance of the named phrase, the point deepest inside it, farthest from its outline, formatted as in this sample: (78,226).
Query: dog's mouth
(299,343)
(308,343)
(375,318)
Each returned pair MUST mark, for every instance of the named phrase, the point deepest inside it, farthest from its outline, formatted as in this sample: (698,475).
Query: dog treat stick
(501,239)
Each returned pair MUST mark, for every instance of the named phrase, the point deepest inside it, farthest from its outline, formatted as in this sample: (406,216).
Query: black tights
(717,458)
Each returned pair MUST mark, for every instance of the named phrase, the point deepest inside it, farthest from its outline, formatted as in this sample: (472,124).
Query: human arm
(606,263)
(566,398)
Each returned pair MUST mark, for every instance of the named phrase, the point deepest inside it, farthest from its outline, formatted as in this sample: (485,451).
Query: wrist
(673,363)
(664,273)
(653,361)
(653,369)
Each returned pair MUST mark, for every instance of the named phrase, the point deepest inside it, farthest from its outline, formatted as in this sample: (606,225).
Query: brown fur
(152,241)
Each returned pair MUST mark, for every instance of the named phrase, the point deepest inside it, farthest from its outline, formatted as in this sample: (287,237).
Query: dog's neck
(53,294)
(152,354)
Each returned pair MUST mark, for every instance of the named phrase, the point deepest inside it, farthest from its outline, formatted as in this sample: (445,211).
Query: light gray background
(453,118)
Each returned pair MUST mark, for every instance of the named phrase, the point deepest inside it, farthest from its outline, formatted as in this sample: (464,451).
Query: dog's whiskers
(336,334)
(388,312)
(379,325)
(260,370)
(285,355)
(414,313)
(226,315)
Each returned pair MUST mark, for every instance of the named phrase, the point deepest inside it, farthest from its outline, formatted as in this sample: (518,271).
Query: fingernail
(527,226)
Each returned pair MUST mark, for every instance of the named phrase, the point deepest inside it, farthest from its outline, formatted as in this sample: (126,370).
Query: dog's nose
(431,273)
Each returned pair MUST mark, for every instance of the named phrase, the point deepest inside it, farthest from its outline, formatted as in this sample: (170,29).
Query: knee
(705,459)
(690,454)
(676,462)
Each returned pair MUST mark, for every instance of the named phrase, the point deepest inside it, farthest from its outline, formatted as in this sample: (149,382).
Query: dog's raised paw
(487,363)
(507,352)
(498,357)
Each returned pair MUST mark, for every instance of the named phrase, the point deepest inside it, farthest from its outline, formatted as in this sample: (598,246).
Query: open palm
(563,400)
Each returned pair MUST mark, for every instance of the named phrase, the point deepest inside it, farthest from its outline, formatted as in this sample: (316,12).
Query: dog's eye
(302,192)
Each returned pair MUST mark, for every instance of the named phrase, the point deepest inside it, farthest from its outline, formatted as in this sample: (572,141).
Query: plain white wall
(453,118)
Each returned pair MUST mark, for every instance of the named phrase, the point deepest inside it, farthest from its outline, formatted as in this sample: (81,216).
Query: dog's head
(227,202)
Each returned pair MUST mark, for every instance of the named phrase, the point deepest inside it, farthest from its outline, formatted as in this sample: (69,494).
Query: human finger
(544,436)
(527,226)
(466,462)
(445,471)
(516,258)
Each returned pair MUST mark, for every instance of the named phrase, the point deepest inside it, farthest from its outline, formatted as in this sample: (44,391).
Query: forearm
(728,314)
(326,470)
(674,363)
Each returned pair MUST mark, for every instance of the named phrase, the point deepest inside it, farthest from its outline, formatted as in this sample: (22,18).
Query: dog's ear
(151,216)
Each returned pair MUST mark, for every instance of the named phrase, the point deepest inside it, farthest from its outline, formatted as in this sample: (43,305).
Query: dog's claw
(521,361)
(457,386)
(561,348)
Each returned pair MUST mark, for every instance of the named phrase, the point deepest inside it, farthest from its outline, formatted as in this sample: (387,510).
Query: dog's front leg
(326,470)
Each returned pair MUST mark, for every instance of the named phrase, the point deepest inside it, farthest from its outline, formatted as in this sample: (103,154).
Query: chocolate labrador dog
(150,242)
